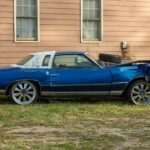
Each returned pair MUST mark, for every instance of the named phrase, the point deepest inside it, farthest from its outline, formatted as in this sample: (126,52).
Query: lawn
(73,125)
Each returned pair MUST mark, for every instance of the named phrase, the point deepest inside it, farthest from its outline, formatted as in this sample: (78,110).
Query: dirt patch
(128,142)
(34,129)
(40,134)
(60,135)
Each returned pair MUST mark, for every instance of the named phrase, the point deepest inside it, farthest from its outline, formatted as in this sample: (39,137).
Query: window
(26,20)
(46,61)
(91,20)
(72,61)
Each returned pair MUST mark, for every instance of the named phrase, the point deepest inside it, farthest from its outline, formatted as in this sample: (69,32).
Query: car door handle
(54,75)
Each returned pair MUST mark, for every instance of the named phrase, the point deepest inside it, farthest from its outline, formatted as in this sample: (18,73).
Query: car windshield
(25,60)
(96,60)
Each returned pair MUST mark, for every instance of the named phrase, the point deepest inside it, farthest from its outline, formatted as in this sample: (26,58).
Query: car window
(46,60)
(72,61)
(25,60)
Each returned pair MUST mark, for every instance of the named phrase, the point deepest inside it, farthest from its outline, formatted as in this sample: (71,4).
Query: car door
(78,74)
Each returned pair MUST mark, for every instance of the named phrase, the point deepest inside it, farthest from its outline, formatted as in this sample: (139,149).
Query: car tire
(23,92)
(139,93)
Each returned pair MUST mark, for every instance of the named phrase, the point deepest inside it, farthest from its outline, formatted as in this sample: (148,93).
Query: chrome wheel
(140,93)
(23,92)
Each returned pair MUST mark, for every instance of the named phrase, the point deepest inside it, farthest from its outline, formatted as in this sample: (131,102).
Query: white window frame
(101,29)
(38,24)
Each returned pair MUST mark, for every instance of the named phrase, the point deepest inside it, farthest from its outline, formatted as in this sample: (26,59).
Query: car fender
(36,75)
(31,80)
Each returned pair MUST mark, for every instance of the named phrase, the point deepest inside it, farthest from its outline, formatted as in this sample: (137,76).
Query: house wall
(123,20)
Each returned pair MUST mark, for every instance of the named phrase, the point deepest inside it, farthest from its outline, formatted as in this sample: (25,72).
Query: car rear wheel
(24,92)
(139,93)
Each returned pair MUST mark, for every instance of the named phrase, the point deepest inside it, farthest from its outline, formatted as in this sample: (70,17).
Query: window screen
(91,20)
(26,20)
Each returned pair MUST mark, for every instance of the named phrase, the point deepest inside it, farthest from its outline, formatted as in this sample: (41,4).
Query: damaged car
(58,73)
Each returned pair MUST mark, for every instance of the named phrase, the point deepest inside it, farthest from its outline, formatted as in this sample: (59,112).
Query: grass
(73,125)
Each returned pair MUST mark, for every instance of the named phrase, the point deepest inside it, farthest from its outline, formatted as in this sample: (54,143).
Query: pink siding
(124,20)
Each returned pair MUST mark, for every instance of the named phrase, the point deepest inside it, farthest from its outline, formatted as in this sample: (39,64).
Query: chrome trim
(116,93)
(119,83)
(79,84)
(54,75)
(44,93)
(100,84)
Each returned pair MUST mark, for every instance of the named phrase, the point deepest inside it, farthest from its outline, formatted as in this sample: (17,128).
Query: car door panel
(85,79)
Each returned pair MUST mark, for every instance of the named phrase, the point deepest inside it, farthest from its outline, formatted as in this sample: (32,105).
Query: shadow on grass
(5,100)
(84,100)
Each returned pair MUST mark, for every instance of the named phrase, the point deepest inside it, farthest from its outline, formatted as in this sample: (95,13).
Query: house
(96,26)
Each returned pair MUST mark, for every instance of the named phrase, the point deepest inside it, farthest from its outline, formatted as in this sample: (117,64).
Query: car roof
(58,52)
(69,52)
(44,53)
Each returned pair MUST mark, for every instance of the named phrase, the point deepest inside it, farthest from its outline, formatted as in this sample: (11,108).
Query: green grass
(74,124)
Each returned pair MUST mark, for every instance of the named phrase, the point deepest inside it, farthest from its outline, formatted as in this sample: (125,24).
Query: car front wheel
(139,93)
(24,92)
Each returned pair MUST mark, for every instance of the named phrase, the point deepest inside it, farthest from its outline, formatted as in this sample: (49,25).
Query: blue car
(74,74)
